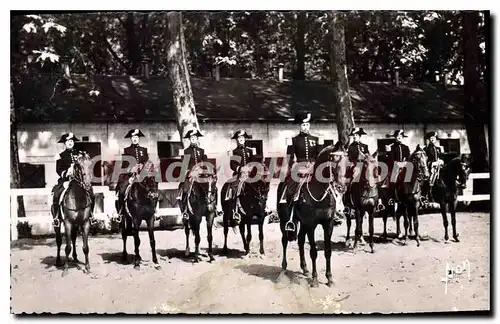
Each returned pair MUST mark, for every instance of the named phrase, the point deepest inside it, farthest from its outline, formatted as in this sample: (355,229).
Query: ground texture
(395,278)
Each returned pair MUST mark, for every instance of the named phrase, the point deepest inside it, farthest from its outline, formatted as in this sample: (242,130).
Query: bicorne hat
(68,136)
(430,134)
(358,130)
(397,133)
(241,132)
(192,132)
(134,132)
(302,118)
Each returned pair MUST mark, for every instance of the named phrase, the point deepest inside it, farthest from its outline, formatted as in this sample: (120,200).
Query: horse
(253,199)
(201,201)
(76,208)
(320,202)
(363,196)
(452,177)
(409,193)
(138,204)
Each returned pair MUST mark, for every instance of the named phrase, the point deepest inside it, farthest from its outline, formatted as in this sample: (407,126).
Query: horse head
(461,170)
(419,161)
(81,169)
(149,182)
(370,165)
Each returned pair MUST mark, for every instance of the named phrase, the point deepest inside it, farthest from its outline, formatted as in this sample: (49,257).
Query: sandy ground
(394,279)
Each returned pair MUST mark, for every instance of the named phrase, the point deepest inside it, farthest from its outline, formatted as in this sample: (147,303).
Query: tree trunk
(133,50)
(340,84)
(474,121)
(15,176)
(179,76)
(300,47)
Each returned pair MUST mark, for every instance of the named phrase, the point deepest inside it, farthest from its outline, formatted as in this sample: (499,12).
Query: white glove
(66,184)
(70,171)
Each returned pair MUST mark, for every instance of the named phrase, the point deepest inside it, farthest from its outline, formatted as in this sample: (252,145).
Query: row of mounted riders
(301,206)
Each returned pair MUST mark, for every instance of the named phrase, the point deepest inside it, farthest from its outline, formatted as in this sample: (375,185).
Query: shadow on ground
(272,273)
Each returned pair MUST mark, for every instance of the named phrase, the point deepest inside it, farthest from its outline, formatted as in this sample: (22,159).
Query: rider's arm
(61,168)
(290,152)
(234,164)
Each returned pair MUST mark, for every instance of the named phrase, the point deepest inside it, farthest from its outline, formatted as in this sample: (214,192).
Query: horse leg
(67,250)
(301,242)
(186,231)
(348,235)
(85,239)
(406,222)
(313,252)
(359,229)
(453,206)
(242,232)
(152,241)
(398,213)
(414,215)
(284,244)
(210,223)
(370,227)
(137,243)
(226,231)
(74,234)
(384,219)
(197,239)
(445,220)
(261,236)
(124,239)
(59,243)
(249,234)
(328,230)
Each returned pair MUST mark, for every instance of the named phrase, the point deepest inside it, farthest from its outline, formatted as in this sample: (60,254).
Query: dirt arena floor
(395,278)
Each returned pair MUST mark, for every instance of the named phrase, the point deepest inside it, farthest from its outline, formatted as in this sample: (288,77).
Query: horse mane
(82,169)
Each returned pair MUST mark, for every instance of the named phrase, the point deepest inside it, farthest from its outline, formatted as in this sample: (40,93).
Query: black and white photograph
(250,162)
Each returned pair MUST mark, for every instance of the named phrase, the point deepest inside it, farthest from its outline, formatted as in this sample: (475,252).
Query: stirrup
(56,222)
(185,216)
(391,202)
(347,211)
(236,216)
(290,226)
(380,207)
(424,200)
(118,218)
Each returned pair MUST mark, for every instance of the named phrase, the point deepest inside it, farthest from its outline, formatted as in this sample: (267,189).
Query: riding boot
(55,215)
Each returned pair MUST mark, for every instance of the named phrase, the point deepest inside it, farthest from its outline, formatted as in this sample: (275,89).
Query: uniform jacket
(138,152)
(355,149)
(433,152)
(196,155)
(66,158)
(399,152)
(246,155)
(305,148)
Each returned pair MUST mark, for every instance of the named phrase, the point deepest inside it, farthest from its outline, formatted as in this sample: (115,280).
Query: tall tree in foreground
(338,70)
(474,119)
(179,74)
(15,176)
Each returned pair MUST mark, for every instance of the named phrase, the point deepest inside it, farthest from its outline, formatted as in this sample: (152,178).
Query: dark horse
(453,176)
(76,208)
(320,203)
(408,193)
(201,201)
(363,196)
(139,203)
(253,201)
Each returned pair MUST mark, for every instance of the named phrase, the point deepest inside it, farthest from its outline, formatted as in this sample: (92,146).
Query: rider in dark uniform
(196,155)
(304,147)
(399,152)
(246,155)
(433,153)
(140,154)
(63,164)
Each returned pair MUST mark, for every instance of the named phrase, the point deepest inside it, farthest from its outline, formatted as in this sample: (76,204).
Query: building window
(257,144)
(93,149)
(450,146)
(32,175)
(168,153)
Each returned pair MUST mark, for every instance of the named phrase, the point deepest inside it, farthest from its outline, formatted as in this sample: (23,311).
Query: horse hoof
(157,267)
(137,267)
(212,259)
(330,283)
(87,270)
(314,283)
(446,238)
(456,238)
(64,273)
(305,272)
(187,253)
(418,244)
